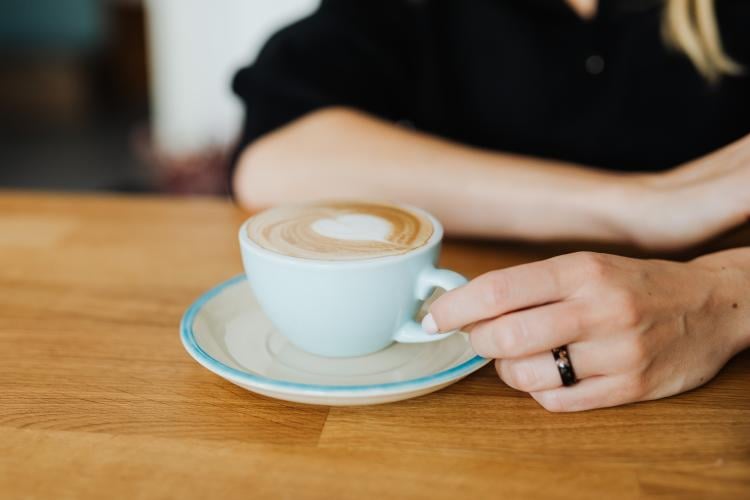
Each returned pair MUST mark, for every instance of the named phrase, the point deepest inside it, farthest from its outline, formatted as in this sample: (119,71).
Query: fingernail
(429,325)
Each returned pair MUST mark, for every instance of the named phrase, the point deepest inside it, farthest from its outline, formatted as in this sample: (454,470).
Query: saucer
(226,331)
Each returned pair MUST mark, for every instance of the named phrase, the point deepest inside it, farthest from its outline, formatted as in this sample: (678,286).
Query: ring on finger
(564,365)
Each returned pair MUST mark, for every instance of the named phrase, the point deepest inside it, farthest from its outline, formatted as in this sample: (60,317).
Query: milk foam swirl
(340,230)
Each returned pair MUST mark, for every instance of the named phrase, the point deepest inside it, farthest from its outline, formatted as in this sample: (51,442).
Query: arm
(732,269)
(338,152)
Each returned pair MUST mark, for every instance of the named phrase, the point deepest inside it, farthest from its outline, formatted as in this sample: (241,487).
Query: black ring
(564,365)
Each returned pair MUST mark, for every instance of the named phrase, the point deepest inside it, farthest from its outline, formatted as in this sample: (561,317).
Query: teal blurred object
(65,25)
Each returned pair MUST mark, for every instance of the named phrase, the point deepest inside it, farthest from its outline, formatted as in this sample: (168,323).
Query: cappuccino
(340,230)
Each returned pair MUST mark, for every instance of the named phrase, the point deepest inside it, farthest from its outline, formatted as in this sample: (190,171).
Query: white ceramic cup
(350,307)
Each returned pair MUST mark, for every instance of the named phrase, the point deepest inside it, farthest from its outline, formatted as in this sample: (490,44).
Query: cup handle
(428,280)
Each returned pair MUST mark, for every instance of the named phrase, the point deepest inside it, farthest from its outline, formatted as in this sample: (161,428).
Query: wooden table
(98,399)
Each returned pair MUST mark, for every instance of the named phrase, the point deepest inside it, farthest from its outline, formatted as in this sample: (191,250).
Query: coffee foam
(340,230)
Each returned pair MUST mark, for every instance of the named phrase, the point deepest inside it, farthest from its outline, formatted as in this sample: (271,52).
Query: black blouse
(523,76)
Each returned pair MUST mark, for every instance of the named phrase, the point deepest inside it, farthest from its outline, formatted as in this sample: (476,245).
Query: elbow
(250,180)
(275,168)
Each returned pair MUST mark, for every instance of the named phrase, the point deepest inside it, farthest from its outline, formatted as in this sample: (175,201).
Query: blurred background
(126,95)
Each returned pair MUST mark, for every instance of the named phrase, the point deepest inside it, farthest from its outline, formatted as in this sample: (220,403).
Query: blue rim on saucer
(188,340)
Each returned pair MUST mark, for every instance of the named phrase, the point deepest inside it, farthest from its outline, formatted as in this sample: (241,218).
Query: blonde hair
(690,26)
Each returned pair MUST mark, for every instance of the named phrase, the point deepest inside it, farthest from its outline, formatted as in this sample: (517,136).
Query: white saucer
(226,332)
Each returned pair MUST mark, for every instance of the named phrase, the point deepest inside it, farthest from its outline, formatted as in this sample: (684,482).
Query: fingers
(531,331)
(500,292)
(590,393)
(539,372)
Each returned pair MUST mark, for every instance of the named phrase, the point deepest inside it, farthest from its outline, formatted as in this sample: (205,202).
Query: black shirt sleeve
(348,53)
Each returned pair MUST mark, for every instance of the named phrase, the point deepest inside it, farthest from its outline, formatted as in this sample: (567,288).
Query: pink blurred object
(205,172)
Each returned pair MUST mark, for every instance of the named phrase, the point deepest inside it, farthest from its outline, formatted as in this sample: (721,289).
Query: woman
(617,121)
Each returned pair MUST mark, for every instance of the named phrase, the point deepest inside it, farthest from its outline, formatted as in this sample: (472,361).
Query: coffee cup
(345,278)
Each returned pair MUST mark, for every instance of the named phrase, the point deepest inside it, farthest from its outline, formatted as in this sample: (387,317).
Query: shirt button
(594,64)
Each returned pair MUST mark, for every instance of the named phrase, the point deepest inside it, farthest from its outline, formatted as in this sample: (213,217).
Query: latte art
(340,230)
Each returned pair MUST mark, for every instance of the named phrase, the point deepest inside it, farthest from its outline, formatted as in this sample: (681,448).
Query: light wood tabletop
(98,399)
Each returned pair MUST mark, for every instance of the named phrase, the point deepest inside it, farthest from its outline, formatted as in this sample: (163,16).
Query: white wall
(195,47)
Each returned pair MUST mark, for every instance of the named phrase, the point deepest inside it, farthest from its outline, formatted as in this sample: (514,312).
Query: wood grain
(99,400)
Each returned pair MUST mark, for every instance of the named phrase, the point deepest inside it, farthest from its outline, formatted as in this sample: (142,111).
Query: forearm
(338,152)
(732,293)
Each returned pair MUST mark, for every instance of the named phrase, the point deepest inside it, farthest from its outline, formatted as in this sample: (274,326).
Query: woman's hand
(635,329)
(691,203)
